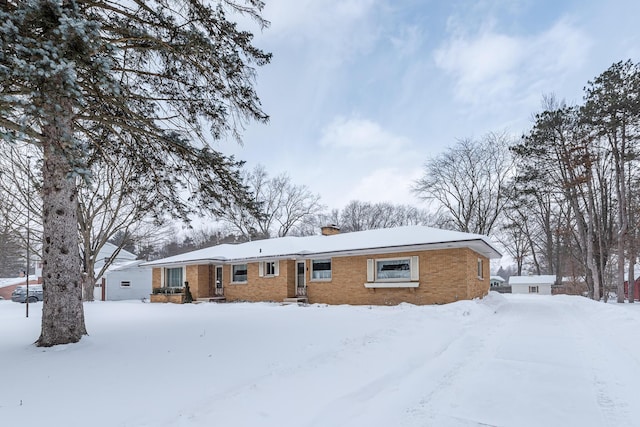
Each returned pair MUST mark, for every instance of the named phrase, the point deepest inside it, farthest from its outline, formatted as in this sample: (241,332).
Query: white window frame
(534,289)
(165,277)
(122,284)
(373,281)
(480,269)
(233,275)
(321,279)
(391,279)
(269,268)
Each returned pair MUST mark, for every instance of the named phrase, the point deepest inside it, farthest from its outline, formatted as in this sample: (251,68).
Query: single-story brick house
(414,264)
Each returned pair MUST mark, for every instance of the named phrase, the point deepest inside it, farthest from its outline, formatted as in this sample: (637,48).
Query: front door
(301,288)
(219,289)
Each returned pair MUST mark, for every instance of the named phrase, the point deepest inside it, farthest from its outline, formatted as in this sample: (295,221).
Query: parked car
(20,293)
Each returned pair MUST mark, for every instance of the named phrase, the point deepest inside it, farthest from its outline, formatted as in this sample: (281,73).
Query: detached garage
(128,281)
(532,284)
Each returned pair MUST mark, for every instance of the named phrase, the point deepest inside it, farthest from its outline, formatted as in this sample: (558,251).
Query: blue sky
(361,93)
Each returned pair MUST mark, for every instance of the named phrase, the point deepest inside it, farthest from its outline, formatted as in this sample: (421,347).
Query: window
(533,289)
(125,284)
(393,269)
(268,269)
(480,274)
(239,273)
(173,277)
(321,269)
(393,273)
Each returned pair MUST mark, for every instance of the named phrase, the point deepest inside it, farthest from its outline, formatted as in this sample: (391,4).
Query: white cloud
(391,185)
(310,17)
(361,138)
(408,41)
(334,29)
(499,65)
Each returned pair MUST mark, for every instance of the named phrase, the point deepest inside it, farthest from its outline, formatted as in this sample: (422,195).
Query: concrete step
(213,299)
(296,300)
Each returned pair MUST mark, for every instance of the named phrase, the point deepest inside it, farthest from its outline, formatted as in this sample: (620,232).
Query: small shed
(532,284)
(127,281)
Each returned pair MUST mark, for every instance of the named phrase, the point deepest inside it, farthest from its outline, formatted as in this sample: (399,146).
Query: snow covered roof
(125,265)
(497,279)
(109,248)
(533,280)
(383,240)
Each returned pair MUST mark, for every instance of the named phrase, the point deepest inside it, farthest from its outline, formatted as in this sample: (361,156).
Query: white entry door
(301,285)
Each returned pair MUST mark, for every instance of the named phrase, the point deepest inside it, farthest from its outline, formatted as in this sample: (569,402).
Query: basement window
(125,284)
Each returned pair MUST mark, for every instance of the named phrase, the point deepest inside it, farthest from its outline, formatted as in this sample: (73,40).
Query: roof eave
(478,245)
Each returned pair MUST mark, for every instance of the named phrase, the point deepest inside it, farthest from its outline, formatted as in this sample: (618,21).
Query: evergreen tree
(95,81)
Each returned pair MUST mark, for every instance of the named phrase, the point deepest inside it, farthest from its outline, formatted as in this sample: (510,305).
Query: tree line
(564,199)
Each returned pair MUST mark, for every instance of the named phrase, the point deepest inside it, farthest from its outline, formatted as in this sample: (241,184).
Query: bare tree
(20,185)
(358,216)
(12,246)
(467,183)
(108,205)
(284,206)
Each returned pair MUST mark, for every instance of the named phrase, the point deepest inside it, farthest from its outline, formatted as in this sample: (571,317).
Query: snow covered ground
(514,360)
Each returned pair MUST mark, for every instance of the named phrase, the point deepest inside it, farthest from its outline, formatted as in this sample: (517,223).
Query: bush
(167,291)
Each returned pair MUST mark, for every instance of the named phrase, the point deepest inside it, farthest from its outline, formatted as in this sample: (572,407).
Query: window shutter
(276,268)
(415,273)
(370,270)
(261,269)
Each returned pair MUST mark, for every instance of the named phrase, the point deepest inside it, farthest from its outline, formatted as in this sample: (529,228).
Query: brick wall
(257,288)
(156,278)
(200,282)
(478,287)
(445,276)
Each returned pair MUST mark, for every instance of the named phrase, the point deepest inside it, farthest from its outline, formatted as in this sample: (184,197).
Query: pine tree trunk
(62,311)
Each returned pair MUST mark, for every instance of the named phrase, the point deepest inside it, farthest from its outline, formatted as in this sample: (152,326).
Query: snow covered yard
(514,360)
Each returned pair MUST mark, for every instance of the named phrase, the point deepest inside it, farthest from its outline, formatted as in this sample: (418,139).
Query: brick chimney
(330,230)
